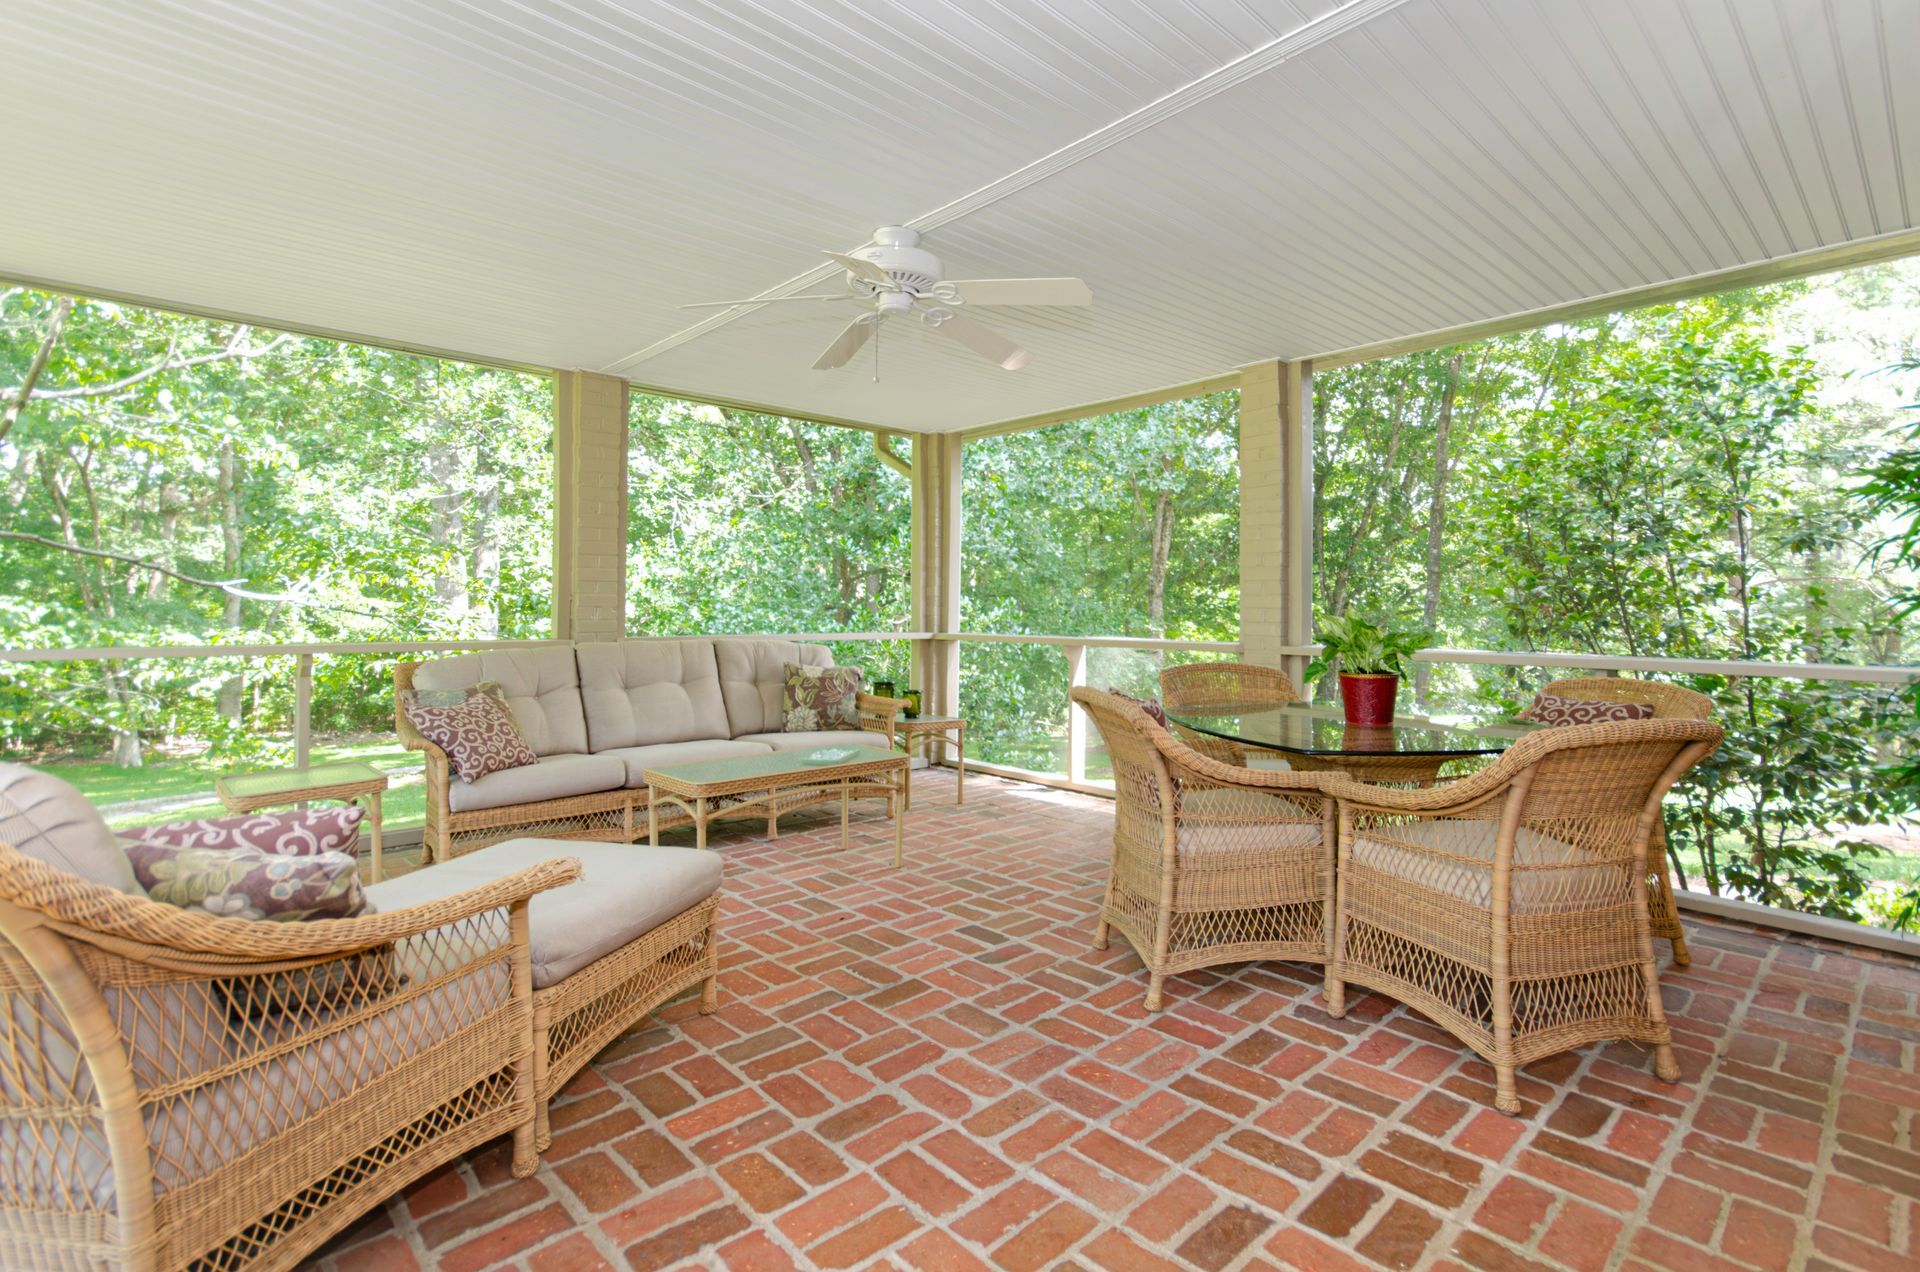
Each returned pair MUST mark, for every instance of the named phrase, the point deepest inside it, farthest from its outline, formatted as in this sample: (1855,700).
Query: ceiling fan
(894,276)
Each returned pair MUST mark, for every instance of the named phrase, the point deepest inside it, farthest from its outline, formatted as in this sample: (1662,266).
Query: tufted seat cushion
(553,777)
(816,739)
(639,759)
(1549,874)
(542,688)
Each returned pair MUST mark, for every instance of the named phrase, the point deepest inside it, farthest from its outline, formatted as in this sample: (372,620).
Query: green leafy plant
(1364,648)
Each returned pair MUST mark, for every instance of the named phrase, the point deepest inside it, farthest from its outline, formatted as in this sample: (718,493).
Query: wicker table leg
(845,814)
(960,772)
(653,818)
(373,813)
(700,822)
(900,820)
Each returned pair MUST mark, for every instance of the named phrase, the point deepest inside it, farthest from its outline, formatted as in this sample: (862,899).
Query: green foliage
(1362,647)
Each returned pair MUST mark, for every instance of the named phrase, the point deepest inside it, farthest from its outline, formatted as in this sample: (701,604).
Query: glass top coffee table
(1411,749)
(772,784)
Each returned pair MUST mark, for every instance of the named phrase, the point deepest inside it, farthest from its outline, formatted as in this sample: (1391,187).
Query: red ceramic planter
(1369,699)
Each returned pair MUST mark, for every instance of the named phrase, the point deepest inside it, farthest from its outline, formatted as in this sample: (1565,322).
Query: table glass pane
(273,781)
(774,765)
(1323,730)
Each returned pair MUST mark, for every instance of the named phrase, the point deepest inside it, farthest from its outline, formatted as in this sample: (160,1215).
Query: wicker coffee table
(273,788)
(772,784)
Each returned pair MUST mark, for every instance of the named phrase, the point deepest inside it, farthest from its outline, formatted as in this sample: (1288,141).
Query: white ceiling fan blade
(983,340)
(1022,291)
(758,300)
(847,343)
(865,269)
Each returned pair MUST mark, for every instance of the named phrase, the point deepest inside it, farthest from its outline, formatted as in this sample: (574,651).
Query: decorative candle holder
(912,710)
(883,689)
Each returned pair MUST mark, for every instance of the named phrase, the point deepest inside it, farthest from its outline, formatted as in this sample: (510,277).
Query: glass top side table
(352,783)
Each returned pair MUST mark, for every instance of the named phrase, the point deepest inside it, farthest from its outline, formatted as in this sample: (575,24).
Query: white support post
(589,506)
(936,569)
(1076,718)
(1276,513)
(302,710)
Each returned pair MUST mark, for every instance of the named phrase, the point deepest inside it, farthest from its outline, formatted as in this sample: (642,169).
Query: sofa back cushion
(542,688)
(753,676)
(51,821)
(643,692)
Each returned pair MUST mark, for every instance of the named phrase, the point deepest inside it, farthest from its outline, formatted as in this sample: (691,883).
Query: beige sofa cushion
(639,759)
(643,692)
(624,891)
(50,820)
(542,687)
(816,738)
(554,777)
(753,673)
(1584,883)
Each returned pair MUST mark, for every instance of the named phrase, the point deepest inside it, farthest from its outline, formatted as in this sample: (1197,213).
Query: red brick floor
(929,1068)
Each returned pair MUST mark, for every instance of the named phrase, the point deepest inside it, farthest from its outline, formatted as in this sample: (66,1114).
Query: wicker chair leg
(1335,995)
(1506,1090)
(1665,917)
(542,1126)
(710,994)
(1156,998)
(1665,1064)
(1100,932)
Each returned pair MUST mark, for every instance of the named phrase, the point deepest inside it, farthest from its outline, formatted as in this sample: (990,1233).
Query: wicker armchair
(1211,863)
(181,1089)
(1209,684)
(1669,702)
(1509,905)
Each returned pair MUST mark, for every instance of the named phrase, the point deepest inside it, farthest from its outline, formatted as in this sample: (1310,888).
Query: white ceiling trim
(1302,39)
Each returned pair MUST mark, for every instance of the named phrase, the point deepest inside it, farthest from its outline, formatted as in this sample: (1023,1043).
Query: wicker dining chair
(1509,905)
(1218,683)
(1211,863)
(1669,702)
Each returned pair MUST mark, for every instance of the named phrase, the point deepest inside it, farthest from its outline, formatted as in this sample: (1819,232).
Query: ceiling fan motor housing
(895,248)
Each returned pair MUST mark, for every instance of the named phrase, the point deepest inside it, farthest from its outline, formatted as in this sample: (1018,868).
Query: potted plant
(1372,658)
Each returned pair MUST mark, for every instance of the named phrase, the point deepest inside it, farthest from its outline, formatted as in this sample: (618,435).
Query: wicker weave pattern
(1211,863)
(1669,702)
(575,1019)
(1210,684)
(1508,905)
(182,1089)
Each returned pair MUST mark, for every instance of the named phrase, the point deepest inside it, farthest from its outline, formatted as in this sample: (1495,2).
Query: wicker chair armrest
(874,704)
(100,915)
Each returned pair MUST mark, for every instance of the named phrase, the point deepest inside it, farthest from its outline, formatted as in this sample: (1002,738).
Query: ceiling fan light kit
(894,277)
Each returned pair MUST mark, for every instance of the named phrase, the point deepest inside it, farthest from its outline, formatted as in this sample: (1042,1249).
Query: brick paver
(931,1068)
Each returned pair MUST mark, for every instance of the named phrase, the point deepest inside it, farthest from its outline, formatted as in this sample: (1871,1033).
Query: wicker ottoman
(635,930)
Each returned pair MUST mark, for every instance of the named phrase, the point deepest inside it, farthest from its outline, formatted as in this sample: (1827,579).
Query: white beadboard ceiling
(543,181)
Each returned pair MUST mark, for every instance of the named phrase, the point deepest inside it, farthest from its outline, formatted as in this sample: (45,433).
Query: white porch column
(1276,512)
(589,506)
(936,568)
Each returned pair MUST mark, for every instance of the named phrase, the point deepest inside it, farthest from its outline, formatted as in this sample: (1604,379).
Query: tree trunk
(55,322)
(444,525)
(1437,517)
(1157,566)
(233,689)
(483,562)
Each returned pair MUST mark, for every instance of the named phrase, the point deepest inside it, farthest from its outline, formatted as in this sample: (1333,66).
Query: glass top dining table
(1413,747)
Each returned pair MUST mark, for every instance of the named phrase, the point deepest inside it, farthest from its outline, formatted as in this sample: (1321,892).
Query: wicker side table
(941,728)
(271,788)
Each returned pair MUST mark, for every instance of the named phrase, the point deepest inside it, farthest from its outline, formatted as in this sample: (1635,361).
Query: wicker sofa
(186,1090)
(598,715)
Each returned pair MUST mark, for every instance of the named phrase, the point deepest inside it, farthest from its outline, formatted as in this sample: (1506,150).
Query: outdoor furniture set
(1510,905)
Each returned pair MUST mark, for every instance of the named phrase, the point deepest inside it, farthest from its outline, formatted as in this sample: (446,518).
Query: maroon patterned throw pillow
(1155,712)
(296,834)
(478,735)
(246,883)
(1555,711)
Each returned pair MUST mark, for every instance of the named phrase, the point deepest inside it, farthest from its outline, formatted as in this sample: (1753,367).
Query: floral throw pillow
(1555,711)
(478,733)
(820,698)
(1155,712)
(247,883)
(296,834)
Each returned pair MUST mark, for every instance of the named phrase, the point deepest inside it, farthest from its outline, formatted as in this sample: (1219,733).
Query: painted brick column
(1276,512)
(936,568)
(589,506)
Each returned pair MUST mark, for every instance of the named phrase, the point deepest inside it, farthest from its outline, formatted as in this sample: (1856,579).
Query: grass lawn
(171,790)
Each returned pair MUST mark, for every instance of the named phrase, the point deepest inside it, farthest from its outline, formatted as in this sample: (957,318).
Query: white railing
(303,654)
